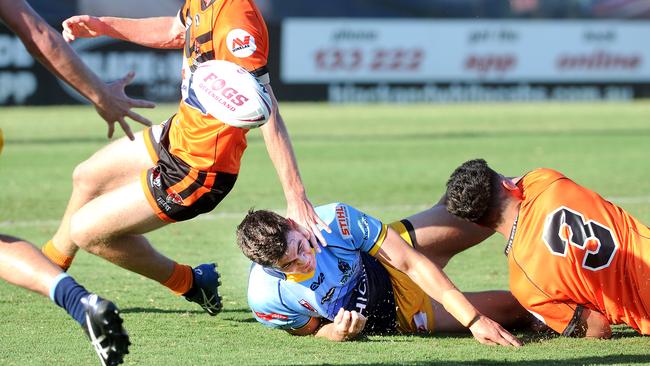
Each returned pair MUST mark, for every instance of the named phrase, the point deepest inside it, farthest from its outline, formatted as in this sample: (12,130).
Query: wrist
(474,320)
(459,307)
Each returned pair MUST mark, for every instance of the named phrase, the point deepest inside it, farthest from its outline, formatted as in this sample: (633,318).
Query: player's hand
(115,105)
(348,324)
(81,26)
(302,212)
(487,331)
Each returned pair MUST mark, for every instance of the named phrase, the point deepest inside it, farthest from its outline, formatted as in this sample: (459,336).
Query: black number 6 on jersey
(565,226)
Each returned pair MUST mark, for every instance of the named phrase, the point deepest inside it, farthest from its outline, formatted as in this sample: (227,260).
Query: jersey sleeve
(270,305)
(243,38)
(358,230)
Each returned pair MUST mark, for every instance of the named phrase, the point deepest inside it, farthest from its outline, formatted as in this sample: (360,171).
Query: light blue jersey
(289,301)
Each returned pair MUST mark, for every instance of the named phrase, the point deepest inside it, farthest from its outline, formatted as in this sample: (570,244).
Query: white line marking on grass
(240,214)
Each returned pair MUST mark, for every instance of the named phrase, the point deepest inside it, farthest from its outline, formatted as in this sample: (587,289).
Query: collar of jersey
(511,239)
(299,277)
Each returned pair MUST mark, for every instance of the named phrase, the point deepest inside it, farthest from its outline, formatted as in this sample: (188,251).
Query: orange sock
(181,279)
(58,258)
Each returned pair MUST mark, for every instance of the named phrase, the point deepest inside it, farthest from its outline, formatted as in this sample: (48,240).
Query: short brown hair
(262,236)
(473,194)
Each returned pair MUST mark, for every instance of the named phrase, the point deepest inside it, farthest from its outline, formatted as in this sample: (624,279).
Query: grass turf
(390,161)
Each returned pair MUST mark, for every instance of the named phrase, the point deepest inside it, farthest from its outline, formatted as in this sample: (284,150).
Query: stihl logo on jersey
(271,316)
(218,89)
(342,220)
(241,43)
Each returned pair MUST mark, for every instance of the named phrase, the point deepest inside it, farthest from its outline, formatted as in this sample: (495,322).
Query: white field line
(232,214)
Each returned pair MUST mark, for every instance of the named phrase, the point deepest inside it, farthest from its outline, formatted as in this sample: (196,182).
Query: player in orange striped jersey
(577,262)
(183,167)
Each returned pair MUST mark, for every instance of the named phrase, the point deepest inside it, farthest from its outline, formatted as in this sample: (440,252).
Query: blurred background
(399,51)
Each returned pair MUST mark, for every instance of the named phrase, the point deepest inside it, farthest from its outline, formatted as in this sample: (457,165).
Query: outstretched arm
(158,32)
(435,283)
(49,48)
(281,153)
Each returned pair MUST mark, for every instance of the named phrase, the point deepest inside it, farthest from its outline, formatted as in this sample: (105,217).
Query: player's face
(299,257)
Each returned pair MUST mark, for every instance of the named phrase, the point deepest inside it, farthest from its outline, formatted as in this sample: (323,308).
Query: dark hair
(262,236)
(474,194)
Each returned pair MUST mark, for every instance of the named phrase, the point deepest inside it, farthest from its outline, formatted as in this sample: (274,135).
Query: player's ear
(510,186)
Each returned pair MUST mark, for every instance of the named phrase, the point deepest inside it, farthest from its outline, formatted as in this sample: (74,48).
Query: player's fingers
(354,321)
(111,129)
(127,129)
(488,342)
(126,80)
(68,23)
(319,235)
(79,18)
(138,118)
(503,342)
(141,103)
(67,36)
(322,224)
(510,339)
(345,321)
(313,241)
(339,316)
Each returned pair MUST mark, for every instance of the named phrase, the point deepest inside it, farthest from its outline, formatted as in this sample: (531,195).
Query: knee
(84,178)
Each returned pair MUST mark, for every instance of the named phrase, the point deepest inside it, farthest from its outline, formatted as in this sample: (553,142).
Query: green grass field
(390,161)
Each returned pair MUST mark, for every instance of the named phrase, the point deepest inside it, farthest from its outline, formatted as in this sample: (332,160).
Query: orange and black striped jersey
(570,248)
(231,30)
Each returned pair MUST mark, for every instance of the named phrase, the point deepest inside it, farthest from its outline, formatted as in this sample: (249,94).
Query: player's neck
(510,213)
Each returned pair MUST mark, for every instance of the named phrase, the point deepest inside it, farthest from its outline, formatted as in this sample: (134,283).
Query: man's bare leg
(23,265)
(439,235)
(110,226)
(113,166)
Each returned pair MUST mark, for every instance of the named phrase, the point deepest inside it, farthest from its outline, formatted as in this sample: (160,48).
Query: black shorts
(373,298)
(176,191)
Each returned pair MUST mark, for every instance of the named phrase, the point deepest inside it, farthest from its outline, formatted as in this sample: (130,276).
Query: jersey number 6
(565,226)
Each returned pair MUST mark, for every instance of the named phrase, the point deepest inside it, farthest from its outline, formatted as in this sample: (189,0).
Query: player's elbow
(599,331)
(593,325)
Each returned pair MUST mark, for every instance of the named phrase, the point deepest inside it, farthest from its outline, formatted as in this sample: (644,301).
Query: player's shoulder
(329,211)
(544,173)
(539,179)
(239,10)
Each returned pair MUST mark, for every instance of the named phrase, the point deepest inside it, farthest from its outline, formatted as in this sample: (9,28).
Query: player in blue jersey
(366,279)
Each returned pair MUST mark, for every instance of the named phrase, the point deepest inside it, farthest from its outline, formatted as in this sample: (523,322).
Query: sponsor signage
(157,72)
(25,81)
(374,51)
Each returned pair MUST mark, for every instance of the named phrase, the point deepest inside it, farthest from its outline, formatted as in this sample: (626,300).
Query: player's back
(572,247)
